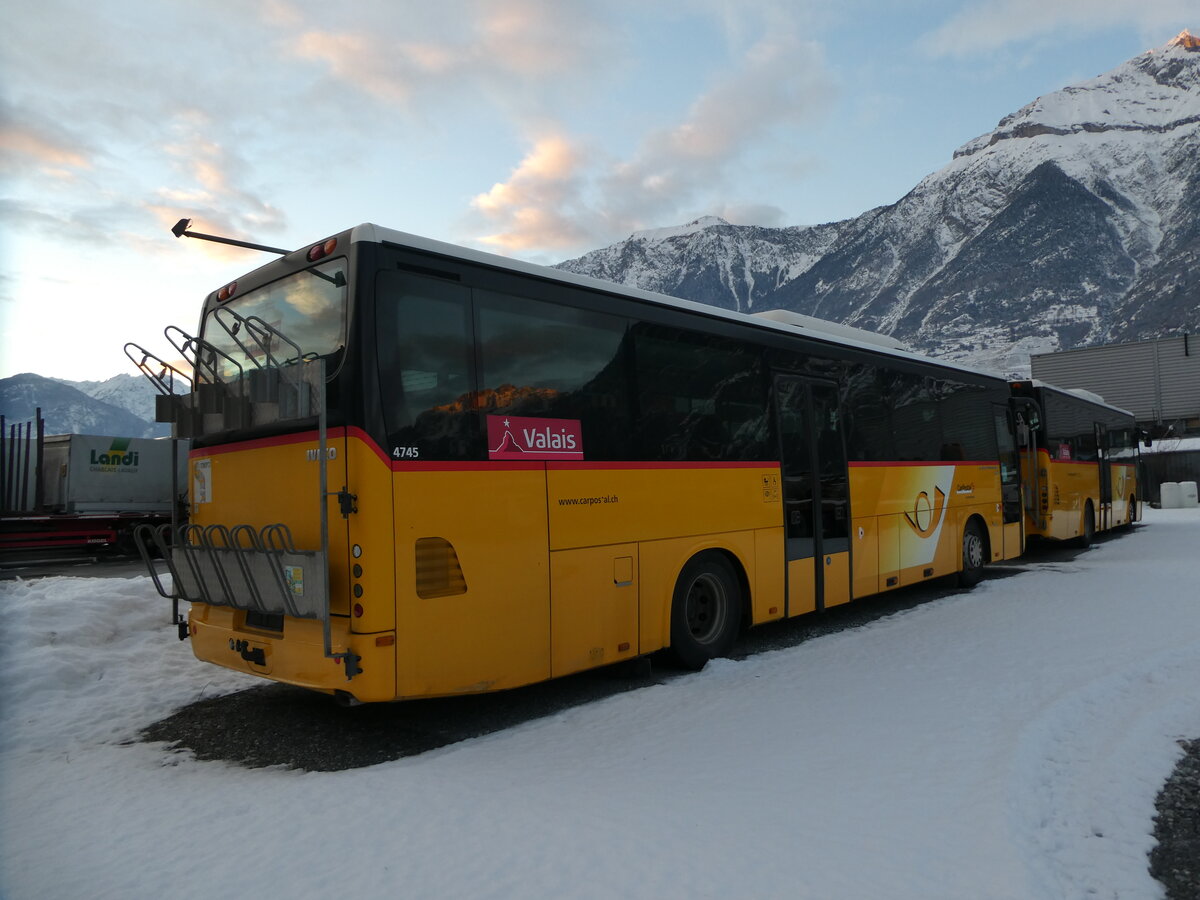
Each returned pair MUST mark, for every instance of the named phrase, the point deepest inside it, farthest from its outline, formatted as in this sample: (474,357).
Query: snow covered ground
(1003,743)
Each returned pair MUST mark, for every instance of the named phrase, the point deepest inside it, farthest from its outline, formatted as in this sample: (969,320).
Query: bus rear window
(308,308)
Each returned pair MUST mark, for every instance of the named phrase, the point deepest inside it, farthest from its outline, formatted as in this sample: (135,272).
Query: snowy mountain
(133,393)
(1075,221)
(67,409)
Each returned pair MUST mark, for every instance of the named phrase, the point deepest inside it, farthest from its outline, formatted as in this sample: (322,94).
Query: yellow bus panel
(593,607)
(297,655)
(492,629)
(372,563)
(599,506)
(836,574)
(864,538)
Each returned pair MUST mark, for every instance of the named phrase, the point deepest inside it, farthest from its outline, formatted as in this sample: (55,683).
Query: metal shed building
(1157,380)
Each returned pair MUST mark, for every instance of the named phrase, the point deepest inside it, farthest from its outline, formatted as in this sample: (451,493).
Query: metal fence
(1157,468)
(21,464)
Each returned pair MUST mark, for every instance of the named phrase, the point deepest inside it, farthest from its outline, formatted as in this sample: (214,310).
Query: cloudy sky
(534,128)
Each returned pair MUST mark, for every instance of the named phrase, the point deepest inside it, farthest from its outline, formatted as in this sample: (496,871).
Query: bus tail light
(321,250)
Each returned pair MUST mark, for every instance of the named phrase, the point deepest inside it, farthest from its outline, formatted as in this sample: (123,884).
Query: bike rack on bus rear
(258,570)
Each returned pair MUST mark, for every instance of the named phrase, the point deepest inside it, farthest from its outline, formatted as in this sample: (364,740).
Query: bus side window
(915,417)
(968,432)
(547,360)
(699,397)
(423,343)
(868,425)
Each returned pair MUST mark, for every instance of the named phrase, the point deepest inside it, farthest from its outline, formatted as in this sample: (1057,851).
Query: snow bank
(1006,743)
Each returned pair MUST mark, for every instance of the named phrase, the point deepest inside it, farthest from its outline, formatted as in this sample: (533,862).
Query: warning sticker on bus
(517,437)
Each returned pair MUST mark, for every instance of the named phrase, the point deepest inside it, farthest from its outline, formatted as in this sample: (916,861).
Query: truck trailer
(84,491)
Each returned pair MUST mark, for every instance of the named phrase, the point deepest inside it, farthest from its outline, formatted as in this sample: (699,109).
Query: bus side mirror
(1145,436)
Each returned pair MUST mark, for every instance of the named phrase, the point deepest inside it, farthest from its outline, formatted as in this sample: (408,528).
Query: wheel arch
(743,581)
(708,557)
(986,531)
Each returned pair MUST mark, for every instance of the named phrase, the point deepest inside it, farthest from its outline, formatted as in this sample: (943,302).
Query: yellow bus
(421,470)
(1079,459)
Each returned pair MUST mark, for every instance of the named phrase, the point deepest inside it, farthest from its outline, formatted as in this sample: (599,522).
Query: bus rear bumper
(297,655)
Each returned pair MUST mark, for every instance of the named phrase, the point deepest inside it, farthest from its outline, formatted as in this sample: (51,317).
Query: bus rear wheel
(974,554)
(706,611)
(1088,535)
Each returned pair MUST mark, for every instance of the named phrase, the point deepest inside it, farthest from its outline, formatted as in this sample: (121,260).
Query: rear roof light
(321,250)
(226,292)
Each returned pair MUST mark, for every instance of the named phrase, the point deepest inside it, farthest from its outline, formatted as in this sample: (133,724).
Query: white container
(1170,495)
(1189,498)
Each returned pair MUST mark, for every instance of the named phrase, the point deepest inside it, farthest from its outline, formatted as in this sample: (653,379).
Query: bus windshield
(308,308)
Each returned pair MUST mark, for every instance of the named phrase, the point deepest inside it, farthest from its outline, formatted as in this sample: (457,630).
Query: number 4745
(405,453)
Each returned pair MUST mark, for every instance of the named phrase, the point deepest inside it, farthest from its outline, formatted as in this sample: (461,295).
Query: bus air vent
(438,571)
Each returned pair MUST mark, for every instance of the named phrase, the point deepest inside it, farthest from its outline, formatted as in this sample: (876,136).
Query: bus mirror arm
(180,229)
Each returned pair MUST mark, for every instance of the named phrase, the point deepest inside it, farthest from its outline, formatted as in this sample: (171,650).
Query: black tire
(1088,536)
(974,554)
(1129,513)
(706,611)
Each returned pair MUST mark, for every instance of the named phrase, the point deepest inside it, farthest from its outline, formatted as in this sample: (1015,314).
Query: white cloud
(473,45)
(980,27)
(209,185)
(562,198)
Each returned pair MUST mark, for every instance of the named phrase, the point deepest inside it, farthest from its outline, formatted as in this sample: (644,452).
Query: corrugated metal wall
(1158,380)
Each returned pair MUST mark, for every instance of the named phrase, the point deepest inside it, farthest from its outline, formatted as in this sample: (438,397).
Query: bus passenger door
(1104,513)
(1010,483)
(816,494)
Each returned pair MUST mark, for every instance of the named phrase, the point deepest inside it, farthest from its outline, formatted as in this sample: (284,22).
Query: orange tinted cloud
(533,206)
(559,197)
(209,188)
(49,153)
(471,45)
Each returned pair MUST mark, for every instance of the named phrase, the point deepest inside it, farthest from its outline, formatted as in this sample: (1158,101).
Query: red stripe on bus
(409,465)
(282,440)
(416,465)
(897,464)
(651,464)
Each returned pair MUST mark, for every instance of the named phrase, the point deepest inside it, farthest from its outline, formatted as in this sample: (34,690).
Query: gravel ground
(1176,860)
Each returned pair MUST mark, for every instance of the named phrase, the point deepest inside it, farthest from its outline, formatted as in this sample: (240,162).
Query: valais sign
(514,437)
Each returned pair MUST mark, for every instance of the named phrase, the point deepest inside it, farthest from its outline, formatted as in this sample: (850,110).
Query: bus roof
(789,323)
(1077,393)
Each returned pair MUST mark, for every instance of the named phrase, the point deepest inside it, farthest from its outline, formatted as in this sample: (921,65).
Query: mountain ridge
(114,406)
(1085,199)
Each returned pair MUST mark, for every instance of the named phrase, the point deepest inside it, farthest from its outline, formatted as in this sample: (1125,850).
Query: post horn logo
(927,513)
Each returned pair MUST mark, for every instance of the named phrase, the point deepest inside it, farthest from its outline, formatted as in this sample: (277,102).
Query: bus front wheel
(706,610)
(974,554)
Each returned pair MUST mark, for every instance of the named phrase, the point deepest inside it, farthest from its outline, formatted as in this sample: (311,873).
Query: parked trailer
(83,491)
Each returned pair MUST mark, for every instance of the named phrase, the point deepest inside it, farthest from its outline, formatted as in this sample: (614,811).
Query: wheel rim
(707,608)
(972,549)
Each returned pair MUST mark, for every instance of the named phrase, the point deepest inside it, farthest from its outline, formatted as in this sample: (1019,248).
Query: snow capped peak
(1156,92)
(1186,40)
(662,234)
